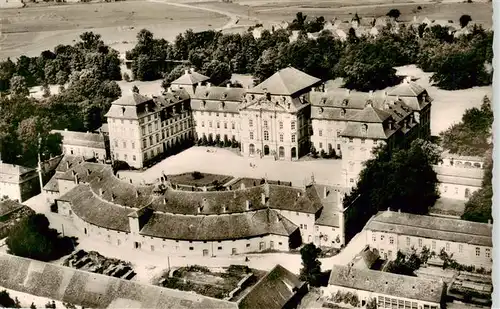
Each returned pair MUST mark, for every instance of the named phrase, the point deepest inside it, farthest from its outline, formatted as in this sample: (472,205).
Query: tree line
(85,94)
(365,63)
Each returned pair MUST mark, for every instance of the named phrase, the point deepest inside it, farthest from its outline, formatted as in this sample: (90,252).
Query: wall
(305,222)
(458,192)
(12,190)
(366,296)
(87,152)
(462,252)
(330,135)
(450,162)
(206,123)
(27,299)
(331,234)
(355,151)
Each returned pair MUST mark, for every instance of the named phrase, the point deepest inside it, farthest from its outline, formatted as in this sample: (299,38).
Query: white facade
(222,123)
(457,191)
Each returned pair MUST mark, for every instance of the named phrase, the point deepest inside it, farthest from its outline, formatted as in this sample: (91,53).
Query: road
(149,265)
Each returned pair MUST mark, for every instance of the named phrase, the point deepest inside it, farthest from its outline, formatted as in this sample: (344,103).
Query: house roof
(218,227)
(8,206)
(94,290)
(459,175)
(366,258)
(13,169)
(131,99)
(370,114)
(387,283)
(273,291)
(84,139)
(190,77)
(217,99)
(330,212)
(446,229)
(406,89)
(447,154)
(373,130)
(287,81)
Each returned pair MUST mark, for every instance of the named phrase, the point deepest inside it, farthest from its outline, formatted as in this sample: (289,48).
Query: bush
(126,77)
(6,301)
(197,175)
(120,166)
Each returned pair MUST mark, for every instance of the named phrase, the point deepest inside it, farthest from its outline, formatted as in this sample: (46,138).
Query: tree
(405,265)
(33,238)
(394,13)
(465,20)
(46,90)
(479,207)
(219,72)
(7,70)
(311,266)
(386,182)
(174,74)
(6,301)
(18,86)
(135,89)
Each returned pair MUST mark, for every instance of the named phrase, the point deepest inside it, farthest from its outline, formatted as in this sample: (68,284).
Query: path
(363,6)
(233,18)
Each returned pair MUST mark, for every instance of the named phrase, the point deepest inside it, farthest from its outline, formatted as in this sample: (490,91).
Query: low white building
(470,243)
(389,290)
(85,144)
(18,182)
(458,182)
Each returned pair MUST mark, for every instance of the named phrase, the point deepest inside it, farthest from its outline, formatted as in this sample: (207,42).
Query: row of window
(467,193)
(394,303)
(433,245)
(266,136)
(178,127)
(233,125)
(265,124)
(125,157)
(217,114)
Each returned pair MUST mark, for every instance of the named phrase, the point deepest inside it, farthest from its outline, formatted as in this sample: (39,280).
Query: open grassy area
(30,30)
(198,179)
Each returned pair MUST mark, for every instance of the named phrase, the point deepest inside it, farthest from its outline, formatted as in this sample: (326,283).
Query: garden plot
(96,263)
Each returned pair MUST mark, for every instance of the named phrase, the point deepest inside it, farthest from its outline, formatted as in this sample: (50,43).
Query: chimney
(112,197)
(88,172)
(209,84)
(169,89)
(406,123)
(325,192)
(67,164)
(399,211)
(186,72)
(263,198)
(76,179)
(325,90)
(199,83)
(390,124)
(100,192)
(408,79)
(388,208)
(192,70)
(370,93)
(136,193)
(348,91)
(73,173)
(489,221)
(247,204)
(199,209)
(224,209)
(228,85)
(414,19)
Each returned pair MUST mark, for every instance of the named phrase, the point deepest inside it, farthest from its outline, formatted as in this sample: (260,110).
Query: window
(420,242)
(251,135)
(202,124)
(250,122)
(133,145)
(374,238)
(382,237)
(125,157)
(478,251)
(150,128)
(408,241)
(233,126)
(281,137)
(134,157)
(447,246)
(362,141)
(210,123)
(217,114)
(248,245)
(293,125)
(144,145)
(151,140)
(460,248)
(156,125)
(488,252)
(265,123)
(351,140)
(281,125)
(225,125)
(152,248)
(391,240)
(305,226)
(445,188)
(225,115)
(320,132)
(157,138)
(266,135)
(219,248)
(191,248)
(293,138)
(116,143)
(434,244)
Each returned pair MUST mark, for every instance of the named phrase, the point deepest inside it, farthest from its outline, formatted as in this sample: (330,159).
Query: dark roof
(85,139)
(366,258)
(431,227)
(131,99)
(93,290)
(273,291)
(190,78)
(387,283)
(86,205)
(13,169)
(287,81)
(218,227)
(370,114)
(8,206)
(343,98)
(330,212)
(407,89)
(69,161)
(217,99)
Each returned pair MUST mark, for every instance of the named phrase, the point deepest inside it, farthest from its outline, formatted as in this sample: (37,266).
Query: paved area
(222,161)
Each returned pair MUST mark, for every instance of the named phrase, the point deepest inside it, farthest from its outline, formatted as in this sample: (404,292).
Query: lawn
(36,28)
(448,207)
(198,179)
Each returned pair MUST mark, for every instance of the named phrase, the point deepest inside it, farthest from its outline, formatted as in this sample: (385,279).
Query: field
(33,29)
(39,27)
(199,180)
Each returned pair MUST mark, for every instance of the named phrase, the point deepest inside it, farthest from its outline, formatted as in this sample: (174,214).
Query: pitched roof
(94,290)
(330,212)
(373,131)
(273,291)
(459,175)
(287,81)
(14,169)
(84,139)
(218,227)
(131,99)
(431,227)
(370,114)
(407,89)
(366,258)
(387,283)
(217,99)
(8,206)
(190,77)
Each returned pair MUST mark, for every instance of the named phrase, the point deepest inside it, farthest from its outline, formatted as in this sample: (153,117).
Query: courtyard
(225,162)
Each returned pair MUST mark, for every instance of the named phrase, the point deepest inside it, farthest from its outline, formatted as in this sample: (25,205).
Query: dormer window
(342,112)
(204,103)
(364,128)
(222,105)
(224,95)
(323,101)
(268,96)
(206,94)
(345,102)
(321,110)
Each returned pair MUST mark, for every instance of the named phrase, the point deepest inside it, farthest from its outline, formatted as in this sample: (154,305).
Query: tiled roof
(84,139)
(387,283)
(407,89)
(69,161)
(8,206)
(373,131)
(366,258)
(190,78)
(273,291)
(287,81)
(446,229)
(88,207)
(343,98)
(52,184)
(370,114)
(93,290)
(460,181)
(131,99)
(459,175)
(13,169)
(329,213)
(217,99)
(218,227)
